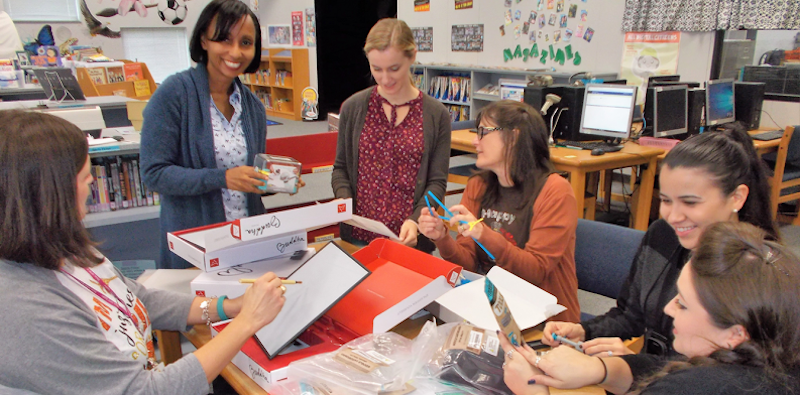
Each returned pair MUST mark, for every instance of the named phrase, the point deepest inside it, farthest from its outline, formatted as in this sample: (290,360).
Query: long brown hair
(41,225)
(743,278)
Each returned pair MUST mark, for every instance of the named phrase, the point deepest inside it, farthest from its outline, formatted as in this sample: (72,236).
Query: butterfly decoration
(45,37)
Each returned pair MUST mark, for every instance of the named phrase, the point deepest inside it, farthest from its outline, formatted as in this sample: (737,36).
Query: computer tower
(569,124)
(696,110)
(649,112)
(748,100)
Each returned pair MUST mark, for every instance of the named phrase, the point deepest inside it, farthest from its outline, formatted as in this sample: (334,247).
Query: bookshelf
(127,88)
(280,81)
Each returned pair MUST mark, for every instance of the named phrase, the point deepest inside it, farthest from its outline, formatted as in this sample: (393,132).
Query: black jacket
(649,287)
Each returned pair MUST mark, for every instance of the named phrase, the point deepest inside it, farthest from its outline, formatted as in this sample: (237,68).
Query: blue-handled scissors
(471,224)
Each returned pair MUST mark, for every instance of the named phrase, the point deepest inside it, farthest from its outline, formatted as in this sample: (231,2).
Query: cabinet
(477,81)
(280,81)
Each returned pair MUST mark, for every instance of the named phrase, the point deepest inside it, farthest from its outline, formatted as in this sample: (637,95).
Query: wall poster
(648,53)
(423,37)
(467,38)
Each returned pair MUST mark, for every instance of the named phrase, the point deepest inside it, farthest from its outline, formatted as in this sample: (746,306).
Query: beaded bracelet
(204,305)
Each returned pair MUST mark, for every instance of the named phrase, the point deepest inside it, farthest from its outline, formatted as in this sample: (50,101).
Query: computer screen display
(608,110)
(663,78)
(671,108)
(719,102)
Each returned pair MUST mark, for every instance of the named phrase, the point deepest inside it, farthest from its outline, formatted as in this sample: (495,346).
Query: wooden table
(199,335)
(580,162)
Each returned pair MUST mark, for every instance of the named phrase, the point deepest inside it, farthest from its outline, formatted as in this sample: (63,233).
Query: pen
(252,280)
(577,345)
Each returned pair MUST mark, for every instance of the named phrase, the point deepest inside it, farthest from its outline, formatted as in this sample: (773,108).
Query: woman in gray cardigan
(72,323)
(394,141)
(202,128)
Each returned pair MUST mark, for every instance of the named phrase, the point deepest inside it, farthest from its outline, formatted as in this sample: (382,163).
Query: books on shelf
(97,74)
(281,77)
(118,185)
(133,71)
(141,87)
(455,88)
(458,112)
(115,74)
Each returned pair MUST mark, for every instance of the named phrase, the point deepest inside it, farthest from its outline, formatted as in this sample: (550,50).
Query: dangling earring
(736,210)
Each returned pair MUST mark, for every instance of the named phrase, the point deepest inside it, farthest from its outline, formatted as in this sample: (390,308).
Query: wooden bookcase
(91,89)
(280,81)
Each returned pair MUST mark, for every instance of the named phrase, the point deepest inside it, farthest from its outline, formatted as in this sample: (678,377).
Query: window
(164,50)
(42,10)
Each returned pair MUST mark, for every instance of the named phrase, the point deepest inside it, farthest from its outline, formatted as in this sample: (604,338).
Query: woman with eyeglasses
(709,178)
(734,319)
(527,212)
(394,142)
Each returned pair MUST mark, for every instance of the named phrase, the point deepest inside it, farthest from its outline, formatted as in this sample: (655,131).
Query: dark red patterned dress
(388,163)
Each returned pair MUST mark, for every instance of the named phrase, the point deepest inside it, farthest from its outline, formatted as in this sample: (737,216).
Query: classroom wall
(280,13)
(602,55)
(767,40)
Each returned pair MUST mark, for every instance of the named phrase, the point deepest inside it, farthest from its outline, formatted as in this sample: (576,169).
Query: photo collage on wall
(551,21)
(467,38)
(423,37)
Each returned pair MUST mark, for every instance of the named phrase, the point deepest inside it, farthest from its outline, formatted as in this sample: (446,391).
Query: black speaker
(696,111)
(748,100)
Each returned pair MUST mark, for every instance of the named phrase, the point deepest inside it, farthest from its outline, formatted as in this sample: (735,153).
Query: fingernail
(531,382)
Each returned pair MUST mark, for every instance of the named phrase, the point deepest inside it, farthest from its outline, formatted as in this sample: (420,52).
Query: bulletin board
(598,47)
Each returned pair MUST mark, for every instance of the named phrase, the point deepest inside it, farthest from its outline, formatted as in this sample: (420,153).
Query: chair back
(793,148)
(603,256)
(459,125)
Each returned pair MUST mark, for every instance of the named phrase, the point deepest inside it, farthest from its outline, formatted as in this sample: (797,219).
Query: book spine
(137,185)
(121,182)
(115,181)
(101,187)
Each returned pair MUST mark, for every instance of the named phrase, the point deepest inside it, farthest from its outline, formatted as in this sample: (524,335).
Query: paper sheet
(372,226)
(529,304)
(177,280)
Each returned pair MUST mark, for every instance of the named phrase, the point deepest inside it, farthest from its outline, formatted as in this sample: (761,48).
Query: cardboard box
(402,282)
(281,222)
(226,281)
(135,110)
(212,247)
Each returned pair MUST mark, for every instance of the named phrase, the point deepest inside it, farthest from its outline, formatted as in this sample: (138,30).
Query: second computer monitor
(719,102)
(670,115)
(608,111)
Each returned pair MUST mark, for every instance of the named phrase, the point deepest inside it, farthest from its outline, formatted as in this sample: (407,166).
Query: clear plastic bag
(466,356)
(372,363)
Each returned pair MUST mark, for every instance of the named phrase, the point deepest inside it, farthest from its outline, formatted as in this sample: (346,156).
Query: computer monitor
(674,83)
(616,82)
(670,77)
(670,109)
(719,102)
(608,111)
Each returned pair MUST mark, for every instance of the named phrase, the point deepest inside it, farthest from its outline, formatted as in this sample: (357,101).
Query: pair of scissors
(450,213)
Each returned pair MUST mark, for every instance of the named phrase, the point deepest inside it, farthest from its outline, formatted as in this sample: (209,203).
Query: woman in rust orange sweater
(528,212)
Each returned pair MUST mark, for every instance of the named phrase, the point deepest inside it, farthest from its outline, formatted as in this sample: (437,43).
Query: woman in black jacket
(709,178)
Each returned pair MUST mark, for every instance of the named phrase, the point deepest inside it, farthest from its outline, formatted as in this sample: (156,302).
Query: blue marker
(578,346)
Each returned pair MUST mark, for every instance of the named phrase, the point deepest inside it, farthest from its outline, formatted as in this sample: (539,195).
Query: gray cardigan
(435,155)
(177,154)
(51,343)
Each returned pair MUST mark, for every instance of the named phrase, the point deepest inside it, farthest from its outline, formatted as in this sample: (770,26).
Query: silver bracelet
(204,305)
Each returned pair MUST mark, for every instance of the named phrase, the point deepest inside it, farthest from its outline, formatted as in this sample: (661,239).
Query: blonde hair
(391,32)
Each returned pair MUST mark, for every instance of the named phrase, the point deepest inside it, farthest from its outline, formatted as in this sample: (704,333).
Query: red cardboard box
(403,281)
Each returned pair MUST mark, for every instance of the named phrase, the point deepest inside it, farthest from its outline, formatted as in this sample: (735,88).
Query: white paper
(372,226)
(93,142)
(177,280)
(529,304)
(326,277)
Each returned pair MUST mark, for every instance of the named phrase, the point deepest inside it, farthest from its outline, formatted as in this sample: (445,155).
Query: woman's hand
(517,371)
(462,215)
(567,368)
(568,330)
(262,301)
(606,346)
(431,225)
(408,233)
(245,179)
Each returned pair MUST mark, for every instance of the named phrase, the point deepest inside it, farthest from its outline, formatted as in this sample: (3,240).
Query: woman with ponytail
(709,178)
(735,316)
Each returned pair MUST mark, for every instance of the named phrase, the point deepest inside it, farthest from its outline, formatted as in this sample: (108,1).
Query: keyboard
(766,136)
(590,145)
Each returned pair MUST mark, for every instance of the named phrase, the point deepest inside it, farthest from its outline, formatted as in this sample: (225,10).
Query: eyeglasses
(483,131)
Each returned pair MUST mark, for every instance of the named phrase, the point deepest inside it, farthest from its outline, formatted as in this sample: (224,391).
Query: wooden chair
(785,182)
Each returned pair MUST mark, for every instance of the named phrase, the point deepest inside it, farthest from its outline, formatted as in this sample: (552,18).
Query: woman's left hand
(461,214)
(566,368)
(300,184)
(408,233)
(517,371)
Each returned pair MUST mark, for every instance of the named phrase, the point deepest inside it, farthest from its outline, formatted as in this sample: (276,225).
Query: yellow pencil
(252,280)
